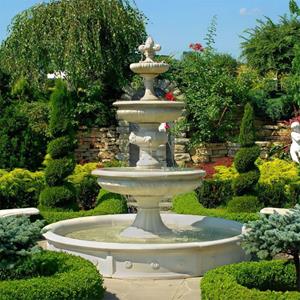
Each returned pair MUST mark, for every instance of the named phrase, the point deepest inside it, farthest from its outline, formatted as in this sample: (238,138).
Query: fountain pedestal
(148,222)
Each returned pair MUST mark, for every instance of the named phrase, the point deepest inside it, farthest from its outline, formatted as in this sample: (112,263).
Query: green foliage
(269,46)
(74,278)
(272,195)
(247,129)
(61,106)
(87,191)
(245,182)
(59,197)
(189,204)
(265,280)
(93,41)
(294,193)
(245,158)
(275,234)
(21,146)
(214,193)
(208,81)
(59,193)
(18,237)
(244,204)
(271,171)
(87,187)
(20,188)
(34,265)
(58,169)
(60,147)
(110,203)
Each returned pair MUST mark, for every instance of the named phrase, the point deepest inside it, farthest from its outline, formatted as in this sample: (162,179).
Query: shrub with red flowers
(196,47)
(170,96)
(209,168)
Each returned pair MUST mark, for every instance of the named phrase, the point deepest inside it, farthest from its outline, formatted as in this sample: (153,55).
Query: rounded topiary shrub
(245,182)
(244,204)
(265,280)
(272,194)
(58,169)
(244,160)
(54,275)
(60,147)
(110,203)
(87,191)
(63,197)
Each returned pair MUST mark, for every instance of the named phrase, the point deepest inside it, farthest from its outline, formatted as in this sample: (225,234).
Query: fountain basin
(158,111)
(143,259)
(164,182)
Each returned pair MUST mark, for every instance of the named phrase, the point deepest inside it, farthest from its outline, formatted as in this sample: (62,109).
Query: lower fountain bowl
(178,257)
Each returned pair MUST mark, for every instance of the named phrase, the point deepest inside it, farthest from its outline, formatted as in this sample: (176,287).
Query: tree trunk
(297,267)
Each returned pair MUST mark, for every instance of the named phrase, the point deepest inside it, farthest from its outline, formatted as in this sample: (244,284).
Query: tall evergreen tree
(59,193)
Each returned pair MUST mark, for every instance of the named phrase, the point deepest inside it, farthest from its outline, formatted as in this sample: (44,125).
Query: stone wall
(267,135)
(97,144)
(106,144)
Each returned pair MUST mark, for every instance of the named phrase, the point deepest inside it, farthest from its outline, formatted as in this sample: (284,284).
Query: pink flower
(169,96)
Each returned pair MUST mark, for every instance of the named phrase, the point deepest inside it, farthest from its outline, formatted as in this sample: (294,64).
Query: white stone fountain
(149,244)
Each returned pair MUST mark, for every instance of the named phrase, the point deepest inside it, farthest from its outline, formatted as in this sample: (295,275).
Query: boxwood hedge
(264,280)
(73,279)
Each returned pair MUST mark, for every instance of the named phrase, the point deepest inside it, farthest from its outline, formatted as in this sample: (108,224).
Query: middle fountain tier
(149,182)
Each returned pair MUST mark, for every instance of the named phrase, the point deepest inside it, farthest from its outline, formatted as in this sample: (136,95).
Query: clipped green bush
(189,204)
(18,237)
(294,193)
(273,195)
(72,278)
(87,191)
(245,182)
(60,147)
(59,197)
(265,280)
(110,203)
(58,169)
(214,193)
(244,204)
(20,188)
(245,158)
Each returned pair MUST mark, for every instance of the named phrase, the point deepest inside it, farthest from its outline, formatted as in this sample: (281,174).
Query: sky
(175,24)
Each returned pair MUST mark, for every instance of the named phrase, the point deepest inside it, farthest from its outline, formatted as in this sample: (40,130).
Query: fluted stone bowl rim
(133,172)
(157,103)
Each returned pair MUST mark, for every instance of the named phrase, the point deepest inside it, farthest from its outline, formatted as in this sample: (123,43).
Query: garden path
(174,289)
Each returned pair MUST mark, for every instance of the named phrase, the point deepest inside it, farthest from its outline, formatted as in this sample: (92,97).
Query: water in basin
(186,234)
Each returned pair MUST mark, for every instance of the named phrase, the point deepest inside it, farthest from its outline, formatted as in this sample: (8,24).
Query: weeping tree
(275,234)
(93,41)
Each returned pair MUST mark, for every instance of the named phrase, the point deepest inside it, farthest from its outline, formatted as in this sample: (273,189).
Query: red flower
(197,47)
(169,96)
(167,126)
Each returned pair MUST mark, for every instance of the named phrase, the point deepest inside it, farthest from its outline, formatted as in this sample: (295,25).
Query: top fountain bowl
(149,68)
(158,111)
(165,182)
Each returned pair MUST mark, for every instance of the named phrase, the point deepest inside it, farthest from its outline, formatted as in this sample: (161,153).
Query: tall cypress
(59,193)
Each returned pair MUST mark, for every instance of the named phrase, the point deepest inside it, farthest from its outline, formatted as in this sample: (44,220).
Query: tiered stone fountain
(149,244)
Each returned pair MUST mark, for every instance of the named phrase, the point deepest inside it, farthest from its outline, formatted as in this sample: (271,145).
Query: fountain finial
(149,49)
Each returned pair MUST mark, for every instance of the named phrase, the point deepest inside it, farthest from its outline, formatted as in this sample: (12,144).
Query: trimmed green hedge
(265,280)
(188,204)
(107,203)
(75,278)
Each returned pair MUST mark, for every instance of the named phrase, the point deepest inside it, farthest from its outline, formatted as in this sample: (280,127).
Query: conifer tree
(59,193)
(275,234)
